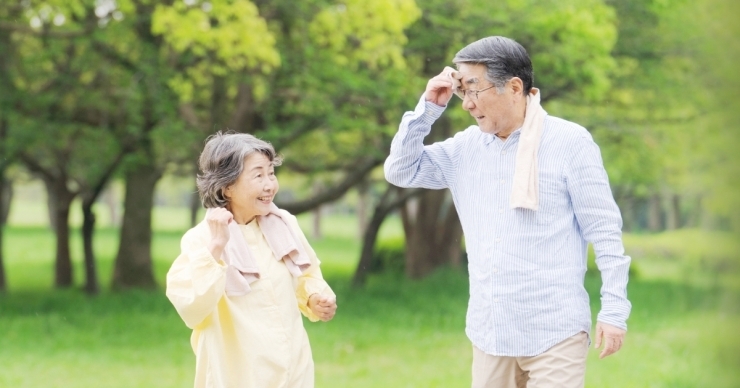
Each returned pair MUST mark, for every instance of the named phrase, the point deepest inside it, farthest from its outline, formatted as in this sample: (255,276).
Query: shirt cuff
(310,287)
(428,111)
(613,319)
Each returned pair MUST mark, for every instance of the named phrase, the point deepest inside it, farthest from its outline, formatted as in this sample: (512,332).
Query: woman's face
(252,193)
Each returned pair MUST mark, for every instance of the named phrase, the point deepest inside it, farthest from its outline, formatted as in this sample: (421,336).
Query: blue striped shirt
(526,267)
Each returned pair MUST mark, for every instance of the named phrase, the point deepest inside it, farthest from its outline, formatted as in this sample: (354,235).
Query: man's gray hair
(504,59)
(222,161)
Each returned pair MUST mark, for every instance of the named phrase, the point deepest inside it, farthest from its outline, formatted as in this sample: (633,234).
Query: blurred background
(105,105)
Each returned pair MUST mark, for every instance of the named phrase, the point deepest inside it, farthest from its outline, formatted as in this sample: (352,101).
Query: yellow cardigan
(256,340)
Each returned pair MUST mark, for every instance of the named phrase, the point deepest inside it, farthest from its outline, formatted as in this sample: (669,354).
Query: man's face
(495,113)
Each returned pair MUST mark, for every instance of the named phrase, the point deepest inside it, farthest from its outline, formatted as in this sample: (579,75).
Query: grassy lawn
(392,333)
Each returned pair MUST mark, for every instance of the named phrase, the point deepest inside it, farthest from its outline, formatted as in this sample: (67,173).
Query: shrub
(389,256)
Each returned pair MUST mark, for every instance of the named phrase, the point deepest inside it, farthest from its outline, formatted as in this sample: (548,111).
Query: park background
(104,106)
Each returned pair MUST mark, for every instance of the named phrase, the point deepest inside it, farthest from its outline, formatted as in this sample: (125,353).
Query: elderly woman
(246,273)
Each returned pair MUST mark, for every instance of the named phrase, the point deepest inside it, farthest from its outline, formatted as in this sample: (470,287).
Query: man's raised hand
(441,87)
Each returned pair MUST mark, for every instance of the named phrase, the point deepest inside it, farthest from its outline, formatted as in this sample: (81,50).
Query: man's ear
(516,85)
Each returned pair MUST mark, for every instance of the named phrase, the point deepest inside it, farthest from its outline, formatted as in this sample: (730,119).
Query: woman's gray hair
(222,161)
(504,59)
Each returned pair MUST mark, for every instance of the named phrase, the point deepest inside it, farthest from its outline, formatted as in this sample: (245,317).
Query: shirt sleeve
(195,281)
(310,282)
(411,163)
(601,224)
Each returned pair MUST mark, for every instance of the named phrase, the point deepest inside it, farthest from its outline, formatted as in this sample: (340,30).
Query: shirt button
(495,300)
(502,181)
(495,270)
(500,210)
(503,152)
(498,240)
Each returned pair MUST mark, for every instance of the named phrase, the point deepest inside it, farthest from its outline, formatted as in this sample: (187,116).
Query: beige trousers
(561,366)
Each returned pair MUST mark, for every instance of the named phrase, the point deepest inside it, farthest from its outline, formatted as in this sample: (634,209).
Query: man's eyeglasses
(473,94)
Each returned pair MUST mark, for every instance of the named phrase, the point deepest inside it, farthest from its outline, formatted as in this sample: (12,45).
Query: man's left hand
(612,336)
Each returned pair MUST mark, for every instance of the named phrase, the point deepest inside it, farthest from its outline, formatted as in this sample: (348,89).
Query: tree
(165,70)
(664,90)
(70,144)
(6,154)
(172,58)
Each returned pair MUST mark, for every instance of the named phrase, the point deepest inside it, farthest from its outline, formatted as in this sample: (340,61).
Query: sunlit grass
(391,333)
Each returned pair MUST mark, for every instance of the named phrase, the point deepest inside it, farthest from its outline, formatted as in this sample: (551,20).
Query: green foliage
(717,142)
(662,127)
(367,33)
(215,33)
(571,44)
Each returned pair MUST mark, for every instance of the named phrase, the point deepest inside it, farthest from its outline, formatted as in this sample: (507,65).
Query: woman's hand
(322,306)
(218,222)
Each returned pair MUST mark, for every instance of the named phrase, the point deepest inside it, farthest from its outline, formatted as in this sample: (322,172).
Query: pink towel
(242,267)
(525,187)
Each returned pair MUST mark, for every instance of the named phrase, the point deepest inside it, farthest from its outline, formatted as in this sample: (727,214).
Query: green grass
(392,333)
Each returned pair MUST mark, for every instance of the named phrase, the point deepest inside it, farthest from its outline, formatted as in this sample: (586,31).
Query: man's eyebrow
(471,81)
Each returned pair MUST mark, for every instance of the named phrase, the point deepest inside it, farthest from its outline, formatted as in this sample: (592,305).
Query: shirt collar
(488,138)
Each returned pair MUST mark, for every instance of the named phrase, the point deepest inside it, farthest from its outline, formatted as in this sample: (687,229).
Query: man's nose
(468,103)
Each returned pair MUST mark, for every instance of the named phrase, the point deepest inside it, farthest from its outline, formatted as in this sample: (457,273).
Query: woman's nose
(270,185)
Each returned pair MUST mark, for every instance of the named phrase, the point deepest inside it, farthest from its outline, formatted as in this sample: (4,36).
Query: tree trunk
(51,203)
(655,223)
(363,201)
(60,200)
(626,203)
(368,248)
(369,238)
(433,234)
(451,236)
(694,214)
(385,206)
(3,285)
(92,286)
(195,205)
(89,196)
(4,210)
(6,196)
(133,265)
(673,212)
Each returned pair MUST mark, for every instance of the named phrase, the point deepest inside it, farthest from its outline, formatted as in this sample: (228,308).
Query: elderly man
(531,192)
